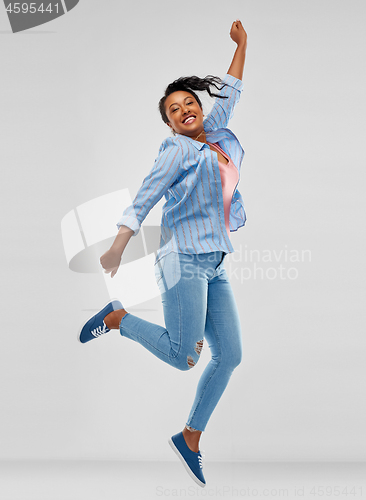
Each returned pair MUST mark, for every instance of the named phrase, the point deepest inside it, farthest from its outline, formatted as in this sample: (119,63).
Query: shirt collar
(197,144)
(212,135)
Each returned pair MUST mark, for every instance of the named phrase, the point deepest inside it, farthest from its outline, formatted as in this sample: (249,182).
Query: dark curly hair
(190,84)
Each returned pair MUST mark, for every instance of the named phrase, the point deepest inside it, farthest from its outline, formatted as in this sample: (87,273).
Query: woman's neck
(201,137)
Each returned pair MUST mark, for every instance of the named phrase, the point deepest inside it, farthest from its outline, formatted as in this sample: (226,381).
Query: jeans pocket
(158,270)
(168,268)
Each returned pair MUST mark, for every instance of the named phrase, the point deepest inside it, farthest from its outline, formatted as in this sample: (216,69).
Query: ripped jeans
(198,303)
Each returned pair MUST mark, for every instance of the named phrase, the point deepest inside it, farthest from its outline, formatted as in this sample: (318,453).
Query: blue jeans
(198,303)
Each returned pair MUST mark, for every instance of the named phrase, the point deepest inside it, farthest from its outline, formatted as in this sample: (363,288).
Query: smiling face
(184,113)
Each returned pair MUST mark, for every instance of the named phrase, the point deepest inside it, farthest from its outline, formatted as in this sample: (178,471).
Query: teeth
(191,118)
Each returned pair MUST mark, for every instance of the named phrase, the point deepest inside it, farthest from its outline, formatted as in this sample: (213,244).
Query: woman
(198,171)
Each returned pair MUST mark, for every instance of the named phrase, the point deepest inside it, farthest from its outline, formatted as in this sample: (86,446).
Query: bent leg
(184,299)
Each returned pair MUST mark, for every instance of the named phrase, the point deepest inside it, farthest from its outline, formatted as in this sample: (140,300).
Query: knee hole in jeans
(198,348)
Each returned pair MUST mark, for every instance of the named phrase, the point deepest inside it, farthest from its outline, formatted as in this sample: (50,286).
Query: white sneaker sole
(84,323)
(177,452)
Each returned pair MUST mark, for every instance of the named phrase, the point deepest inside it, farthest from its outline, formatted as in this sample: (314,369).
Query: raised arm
(239,36)
(223,109)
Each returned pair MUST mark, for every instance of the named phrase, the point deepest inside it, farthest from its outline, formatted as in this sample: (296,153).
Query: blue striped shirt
(187,173)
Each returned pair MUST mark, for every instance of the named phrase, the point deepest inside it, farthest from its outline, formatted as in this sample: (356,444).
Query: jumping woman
(197,170)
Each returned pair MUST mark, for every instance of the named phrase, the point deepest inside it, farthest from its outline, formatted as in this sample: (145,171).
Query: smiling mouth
(190,119)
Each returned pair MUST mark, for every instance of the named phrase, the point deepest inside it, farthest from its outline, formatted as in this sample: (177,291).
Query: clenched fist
(238,34)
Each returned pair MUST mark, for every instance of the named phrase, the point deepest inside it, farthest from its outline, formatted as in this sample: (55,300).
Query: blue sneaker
(95,326)
(192,461)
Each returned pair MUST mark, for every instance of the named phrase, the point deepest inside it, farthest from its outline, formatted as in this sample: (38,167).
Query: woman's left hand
(238,34)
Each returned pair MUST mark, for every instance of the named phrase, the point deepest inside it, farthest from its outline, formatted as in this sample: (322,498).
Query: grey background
(79,120)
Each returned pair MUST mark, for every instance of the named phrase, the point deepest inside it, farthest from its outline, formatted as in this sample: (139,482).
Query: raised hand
(238,34)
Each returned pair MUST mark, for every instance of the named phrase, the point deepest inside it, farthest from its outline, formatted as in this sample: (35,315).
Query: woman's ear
(171,128)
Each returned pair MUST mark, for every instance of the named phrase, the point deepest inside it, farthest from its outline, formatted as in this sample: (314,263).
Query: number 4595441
(25,7)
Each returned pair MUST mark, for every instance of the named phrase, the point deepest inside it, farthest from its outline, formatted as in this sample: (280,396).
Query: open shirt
(187,173)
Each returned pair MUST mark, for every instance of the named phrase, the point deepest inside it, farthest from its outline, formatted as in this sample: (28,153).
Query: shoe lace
(97,332)
(201,457)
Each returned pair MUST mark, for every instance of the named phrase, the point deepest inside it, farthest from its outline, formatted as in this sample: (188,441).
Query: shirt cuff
(233,82)
(131,222)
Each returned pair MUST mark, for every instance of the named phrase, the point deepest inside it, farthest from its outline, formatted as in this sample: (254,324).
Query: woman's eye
(190,102)
(176,109)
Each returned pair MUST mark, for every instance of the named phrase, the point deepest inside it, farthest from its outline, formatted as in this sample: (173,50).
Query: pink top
(229,178)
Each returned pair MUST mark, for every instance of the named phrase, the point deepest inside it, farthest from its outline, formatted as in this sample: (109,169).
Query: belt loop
(222,258)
